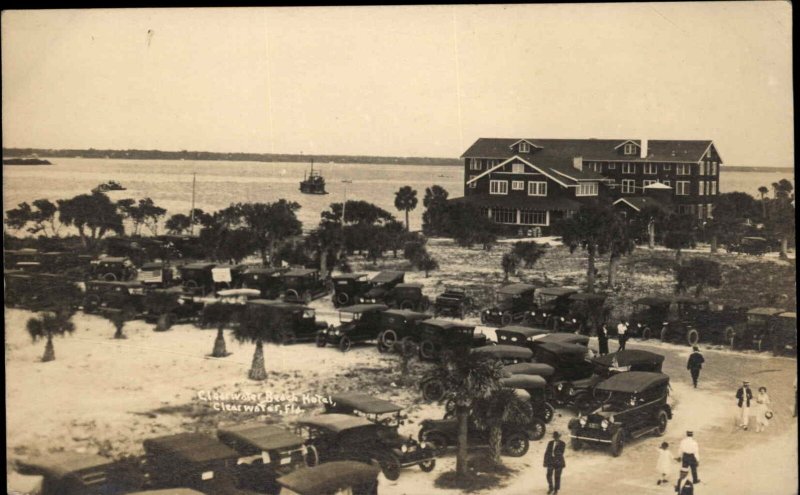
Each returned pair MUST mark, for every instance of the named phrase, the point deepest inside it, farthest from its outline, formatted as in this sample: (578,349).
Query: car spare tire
(646,333)
(342,298)
(692,336)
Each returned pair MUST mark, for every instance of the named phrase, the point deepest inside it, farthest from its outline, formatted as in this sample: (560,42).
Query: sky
(400,81)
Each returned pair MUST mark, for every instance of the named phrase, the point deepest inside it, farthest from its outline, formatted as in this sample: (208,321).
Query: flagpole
(191,213)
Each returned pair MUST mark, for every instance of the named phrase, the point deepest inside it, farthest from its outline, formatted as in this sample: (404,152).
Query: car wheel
(345,344)
(692,336)
(165,322)
(646,333)
(730,335)
(389,338)
(391,468)
(548,412)
(342,298)
(576,443)
(432,390)
(311,456)
(90,304)
(381,346)
(321,340)
(307,297)
(427,466)
(516,444)
(483,318)
(406,304)
(662,421)
(292,295)
(537,429)
(664,334)
(436,440)
(506,318)
(617,443)
(109,277)
(427,349)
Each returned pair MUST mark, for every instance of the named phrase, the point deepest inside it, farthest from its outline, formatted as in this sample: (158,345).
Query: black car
(520,336)
(552,303)
(156,274)
(112,269)
(454,301)
(359,323)
(756,330)
(586,312)
(72,473)
(304,285)
(438,336)
(634,405)
(750,245)
(102,296)
(347,287)
(268,281)
(784,333)
(648,317)
(570,361)
(169,306)
(442,434)
(337,437)
(507,354)
(29,290)
(266,452)
(234,301)
(399,325)
(692,320)
(381,286)
(379,411)
(536,389)
(197,278)
(408,296)
(512,303)
(288,322)
(332,478)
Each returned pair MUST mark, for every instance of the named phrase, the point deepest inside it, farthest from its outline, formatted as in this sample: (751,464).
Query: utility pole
(344,204)
(191,213)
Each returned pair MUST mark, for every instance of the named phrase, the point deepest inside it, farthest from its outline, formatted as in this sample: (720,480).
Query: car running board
(643,431)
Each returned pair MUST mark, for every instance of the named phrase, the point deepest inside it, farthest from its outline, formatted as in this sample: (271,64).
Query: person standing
(622,334)
(685,485)
(664,464)
(763,410)
(690,455)
(744,395)
(554,462)
(602,340)
(694,364)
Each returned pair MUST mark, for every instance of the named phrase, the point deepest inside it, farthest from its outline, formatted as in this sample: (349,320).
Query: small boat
(313,182)
(25,160)
(111,185)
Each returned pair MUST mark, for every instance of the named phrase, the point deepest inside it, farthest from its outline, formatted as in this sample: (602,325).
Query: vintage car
(166,307)
(441,434)
(72,473)
(332,478)
(755,331)
(266,452)
(784,333)
(191,460)
(381,286)
(512,304)
(518,335)
(580,393)
(12,257)
(267,280)
(112,268)
(359,323)
(347,287)
(102,296)
(649,315)
(399,325)
(30,290)
(750,245)
(552,303)
(570,361)
(379,411)
(439,336)
(537,389)
(507,354)
(288,322)
(454,302)
(197,278)
(156,275)
(562,338)
(336,437)
(634,405)
(408,296)
(304,285)
(586,312)
(692,320)
(233,300)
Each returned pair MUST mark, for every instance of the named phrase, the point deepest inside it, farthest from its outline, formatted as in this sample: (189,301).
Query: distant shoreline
(744,168)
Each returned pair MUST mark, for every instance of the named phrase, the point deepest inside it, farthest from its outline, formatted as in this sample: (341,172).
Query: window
(612,166)
(702,169)
(712,169)
(709,209)
(646,183)
(524,147)
(474,164)
(682,188)
(628,186)
(701,187)
(667,166)
(683,169)
(713,188)
(537,188)
(517,168)
(597,167)
(650,168)
(701,211)
(498,187)
(530,217)
(517,185)
(586,189)
(685,209)
(630,149)
(628,168)
(504,215)
(473,185)
(666,183)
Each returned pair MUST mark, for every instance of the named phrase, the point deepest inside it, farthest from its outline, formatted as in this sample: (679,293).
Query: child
(664,464)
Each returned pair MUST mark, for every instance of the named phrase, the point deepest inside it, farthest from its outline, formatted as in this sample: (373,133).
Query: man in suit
(694,365)
(685,485)
(554,462)
(744,395)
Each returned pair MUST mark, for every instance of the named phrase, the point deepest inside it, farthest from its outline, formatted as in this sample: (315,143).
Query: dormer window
(524,147)
(630,149)
(518,168)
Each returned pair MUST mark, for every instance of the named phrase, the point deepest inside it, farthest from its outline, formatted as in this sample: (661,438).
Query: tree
(782,189)
(529,252)
(622,244)
(270,223)
(781,223)
(503,406)
(427,263)
(178,223)
(467,225)
(151,214)
(395,235)
(413,251)
(219,315)
(253,329)
(680,234)
(731,212)
(41,215)
(435,203)
(326,243)
(510,264)
(648,222)
(405,199)
(48,325)
(118,319)
(593,229)
(224,237)
(762,190)
(698,273)
(93,212)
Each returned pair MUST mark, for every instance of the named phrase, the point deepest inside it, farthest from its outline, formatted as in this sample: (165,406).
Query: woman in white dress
(664,464)
(763,409)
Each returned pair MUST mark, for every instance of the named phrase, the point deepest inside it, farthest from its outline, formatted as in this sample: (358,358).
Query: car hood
(376,292)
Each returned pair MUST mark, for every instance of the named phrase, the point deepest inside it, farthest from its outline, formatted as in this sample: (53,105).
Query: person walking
(684,485)
(602,340)
(622,334)
(554,462)
(763,410)
(744,395)
(690,455)
(694,364)
(664,464)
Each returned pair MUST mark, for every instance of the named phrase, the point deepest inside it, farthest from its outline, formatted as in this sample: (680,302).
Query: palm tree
(427,263)
(218,314)
(503,406)
(46,326)
(466,377)
(405,199)
(163,302)
(763,192)
(118,319)
(254,328)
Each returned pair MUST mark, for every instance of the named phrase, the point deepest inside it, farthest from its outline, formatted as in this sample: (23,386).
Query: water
(220,183)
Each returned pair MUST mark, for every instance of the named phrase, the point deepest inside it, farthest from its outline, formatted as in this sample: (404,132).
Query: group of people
(761,405)
(689,458)
(602,337)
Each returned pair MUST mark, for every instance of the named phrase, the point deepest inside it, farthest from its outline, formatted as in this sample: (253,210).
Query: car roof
(445,324)
(112,259)
(261,436)
(335,422)
(524,381)
(116,283)
(329,477)
(409,285)
(528,369)
(198,266)
(276,304)
(300,272)
(563,348)
(526,331)
(387,276)
(262,270)
(585,296)
(765,311)
(57,466)
(689,300)
(564,338)
(633,381)
(365,403)
(363,308)
(238,292)
(755,238)
(515,288)
(190,447)
(408,314)
(169,491)
(349,276)
(788,314)
(557,291)
(629,357)
(152,264)
(505,351)
(653,300)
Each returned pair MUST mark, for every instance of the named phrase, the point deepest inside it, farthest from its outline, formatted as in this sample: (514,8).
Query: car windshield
(505,299)
(346,317)
(308,313)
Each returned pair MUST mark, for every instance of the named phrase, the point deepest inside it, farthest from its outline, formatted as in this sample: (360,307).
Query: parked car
(442,434)
(347,287)
(693,320)
(266,452)
(381,286)
(535,386)
(233,300)
(304,285)
(336,437)
(512,303)
(111,269)
(439,336)
(267,280)
(562,338)
(755,331)
(72,473)
(635,405)
(156,274)
(197,278)
(290,322)
(784,336)
(332,478)
(570,361)
(552,303)
(379,411)
(399,325)
(586,312)
(580,393)
(27,290)
(102,296)
(507,354)
(519,335)
(648,317)
(169,306)
(454,301)
(750,245)
(408,296)
(358,323)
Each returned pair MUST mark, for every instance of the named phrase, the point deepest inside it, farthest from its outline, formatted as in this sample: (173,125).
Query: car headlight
(632,402)
(639,325)
(423,445)
(487,311)
(533,313)
(571,391)
(582,421)
(560,386)
(604,424)
(574,321)
(562,318)
(666,323)
(404,449)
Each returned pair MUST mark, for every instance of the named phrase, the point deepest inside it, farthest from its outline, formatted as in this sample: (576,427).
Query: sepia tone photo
(474,249)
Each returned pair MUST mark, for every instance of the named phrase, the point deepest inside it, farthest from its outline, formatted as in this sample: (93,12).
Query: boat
(111,185)
(313,182)
(25,160)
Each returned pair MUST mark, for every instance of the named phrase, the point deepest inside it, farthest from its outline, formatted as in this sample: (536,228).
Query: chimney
(577,162)
(643,149)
